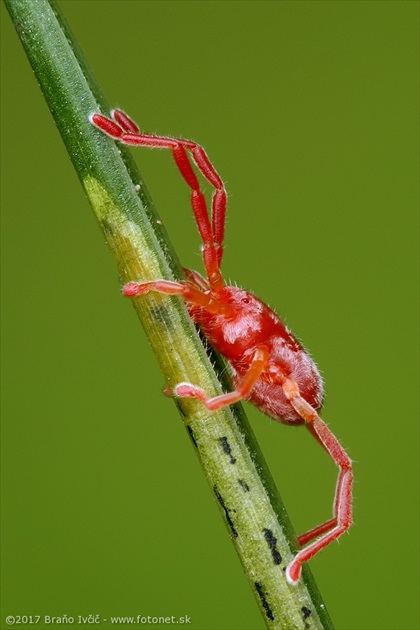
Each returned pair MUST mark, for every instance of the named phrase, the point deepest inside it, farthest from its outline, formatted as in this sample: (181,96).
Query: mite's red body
(254,325)
(270,368)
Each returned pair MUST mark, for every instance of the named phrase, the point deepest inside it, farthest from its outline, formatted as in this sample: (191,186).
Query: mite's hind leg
(342,510)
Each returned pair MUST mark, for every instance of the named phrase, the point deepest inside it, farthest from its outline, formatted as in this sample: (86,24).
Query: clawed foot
(185,390)
(293,572)
(132,289)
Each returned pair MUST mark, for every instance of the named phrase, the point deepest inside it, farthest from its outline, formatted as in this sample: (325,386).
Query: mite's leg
(243,388)
(342,519)
(196,279)
(125,130)
(190,293)
(124,121)
(207,169)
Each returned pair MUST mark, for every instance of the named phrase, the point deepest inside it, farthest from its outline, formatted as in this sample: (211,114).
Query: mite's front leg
(190,294)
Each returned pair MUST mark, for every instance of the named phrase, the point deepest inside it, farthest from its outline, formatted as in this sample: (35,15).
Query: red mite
(270,368)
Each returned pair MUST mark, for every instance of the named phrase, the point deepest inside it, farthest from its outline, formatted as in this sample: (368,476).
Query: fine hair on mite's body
(270,368)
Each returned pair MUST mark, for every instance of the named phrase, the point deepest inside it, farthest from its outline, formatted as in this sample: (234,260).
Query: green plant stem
(256,519)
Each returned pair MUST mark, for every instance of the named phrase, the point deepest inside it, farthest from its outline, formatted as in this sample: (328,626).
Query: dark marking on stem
(161,315)
(243,485)
(226,449)
(272,544)
(306,613)
(226,511)
(192,436)
(264,601)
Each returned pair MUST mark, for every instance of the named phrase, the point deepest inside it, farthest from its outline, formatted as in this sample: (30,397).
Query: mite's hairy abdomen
(270,397)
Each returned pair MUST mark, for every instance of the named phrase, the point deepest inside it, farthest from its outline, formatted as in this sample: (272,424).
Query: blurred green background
(309,112)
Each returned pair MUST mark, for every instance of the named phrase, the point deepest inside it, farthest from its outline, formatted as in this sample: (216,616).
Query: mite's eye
(245,300)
